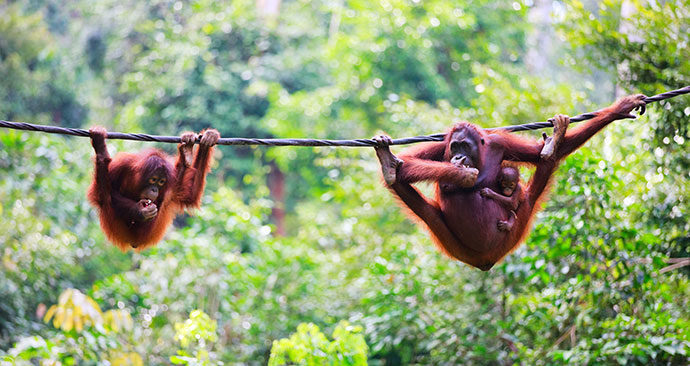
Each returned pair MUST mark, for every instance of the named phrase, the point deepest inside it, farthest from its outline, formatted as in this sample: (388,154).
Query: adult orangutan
(138,195)
(461,220)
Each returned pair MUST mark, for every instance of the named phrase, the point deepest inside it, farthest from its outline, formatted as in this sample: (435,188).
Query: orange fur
(118,185)
(462,221)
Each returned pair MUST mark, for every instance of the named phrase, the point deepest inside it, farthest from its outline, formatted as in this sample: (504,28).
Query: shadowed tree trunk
(276,186)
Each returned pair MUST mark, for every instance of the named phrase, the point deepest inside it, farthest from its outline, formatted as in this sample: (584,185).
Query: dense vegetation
(331,271)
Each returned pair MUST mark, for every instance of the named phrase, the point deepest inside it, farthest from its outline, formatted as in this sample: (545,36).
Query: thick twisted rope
(309,142)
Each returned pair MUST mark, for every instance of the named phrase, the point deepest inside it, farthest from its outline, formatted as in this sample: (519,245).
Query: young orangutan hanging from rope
(461,220)
(139,194)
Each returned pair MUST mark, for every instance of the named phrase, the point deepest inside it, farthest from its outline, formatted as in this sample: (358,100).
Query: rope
(308,142)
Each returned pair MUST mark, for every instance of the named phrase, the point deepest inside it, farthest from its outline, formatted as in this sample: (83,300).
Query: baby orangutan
(510,194)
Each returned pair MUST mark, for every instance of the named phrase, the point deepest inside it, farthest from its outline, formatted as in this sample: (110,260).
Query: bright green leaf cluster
(197,329)
(309,347)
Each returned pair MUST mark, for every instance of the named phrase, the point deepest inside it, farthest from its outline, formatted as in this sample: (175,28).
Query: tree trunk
(276,186)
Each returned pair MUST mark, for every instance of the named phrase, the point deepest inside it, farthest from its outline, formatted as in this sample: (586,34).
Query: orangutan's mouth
(463,162)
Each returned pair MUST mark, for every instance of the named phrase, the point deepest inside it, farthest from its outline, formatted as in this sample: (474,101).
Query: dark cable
(309,142)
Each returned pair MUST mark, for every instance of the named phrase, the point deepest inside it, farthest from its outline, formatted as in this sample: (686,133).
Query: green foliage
(34,85)
(52,243)
(85,335)
(598,282)
(199,328)
(311,347)
(645,41)
(193,334)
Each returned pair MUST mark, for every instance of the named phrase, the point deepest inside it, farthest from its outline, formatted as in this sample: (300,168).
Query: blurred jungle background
(299,256)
